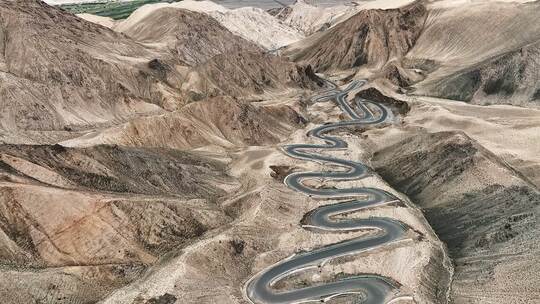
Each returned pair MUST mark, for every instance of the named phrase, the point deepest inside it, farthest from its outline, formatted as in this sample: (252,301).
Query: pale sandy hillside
(487,53)
(193,37)
(258,26)
(104,21)
(220,121)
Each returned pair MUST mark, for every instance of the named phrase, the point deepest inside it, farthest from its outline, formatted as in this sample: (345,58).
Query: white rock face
(309,19)
(253,24)
(257,25)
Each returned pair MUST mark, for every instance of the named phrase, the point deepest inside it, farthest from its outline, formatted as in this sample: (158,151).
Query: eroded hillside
(369,38)
(56,78)
(483,210)
(147,160)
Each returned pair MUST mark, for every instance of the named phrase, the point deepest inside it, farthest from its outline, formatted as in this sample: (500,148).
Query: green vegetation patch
(114,9)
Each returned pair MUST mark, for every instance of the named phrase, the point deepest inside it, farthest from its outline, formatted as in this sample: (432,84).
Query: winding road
(372,288)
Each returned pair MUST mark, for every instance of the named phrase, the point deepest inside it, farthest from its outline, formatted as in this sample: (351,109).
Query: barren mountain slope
(193,37)
(484,211)
(99,216)
(267,228)
(168,187)
(256,25)
(248,73)
(511,78)
(486,52)
(72,76)
(462,35)
(220,121)
(371,37)
(307,18)
(221,62)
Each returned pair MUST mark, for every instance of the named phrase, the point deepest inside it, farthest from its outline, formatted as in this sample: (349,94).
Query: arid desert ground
(262,152)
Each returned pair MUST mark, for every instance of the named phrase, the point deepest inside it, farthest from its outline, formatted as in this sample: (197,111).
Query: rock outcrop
(248,73)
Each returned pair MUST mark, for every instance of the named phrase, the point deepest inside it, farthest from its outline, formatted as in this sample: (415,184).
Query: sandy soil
(267,222)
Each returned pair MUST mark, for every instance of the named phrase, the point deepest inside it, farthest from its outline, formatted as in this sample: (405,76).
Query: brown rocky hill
(59,72)
(77,223)
(220,63)
(483,209)
(192,37)
(371,37)
(484,52)
(248,73)
(510,78)
(221,121)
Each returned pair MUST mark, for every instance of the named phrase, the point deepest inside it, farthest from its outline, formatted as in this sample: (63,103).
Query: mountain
(472,63)
(307,18)
(192,37)
(76,76)
(82,76)
(77,223)
(219,121)
(249,74)
(142,160)
(369,38)
(252,24)
(510,78)
(258,26)
(482,208)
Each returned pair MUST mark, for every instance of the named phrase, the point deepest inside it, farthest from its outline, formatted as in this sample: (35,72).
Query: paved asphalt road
(372,288)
